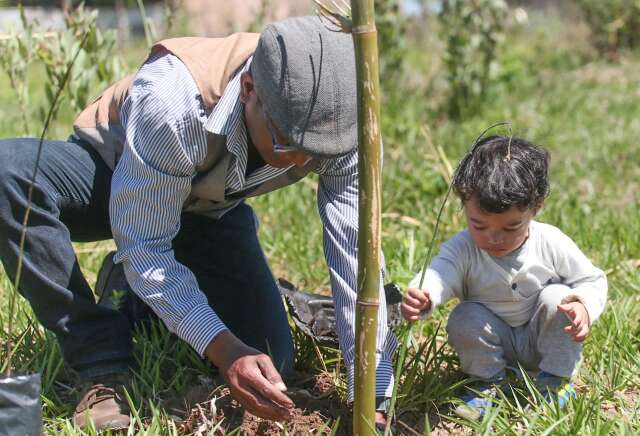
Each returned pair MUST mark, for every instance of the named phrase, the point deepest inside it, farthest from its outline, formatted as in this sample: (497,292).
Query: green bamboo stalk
(365,38)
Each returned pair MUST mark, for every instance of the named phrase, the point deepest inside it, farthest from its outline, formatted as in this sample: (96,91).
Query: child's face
(498,233)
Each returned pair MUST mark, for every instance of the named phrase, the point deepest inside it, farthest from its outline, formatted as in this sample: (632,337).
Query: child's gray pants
(486,344)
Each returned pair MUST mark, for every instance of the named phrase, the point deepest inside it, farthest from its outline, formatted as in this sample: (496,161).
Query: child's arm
(443,279)
(589,284)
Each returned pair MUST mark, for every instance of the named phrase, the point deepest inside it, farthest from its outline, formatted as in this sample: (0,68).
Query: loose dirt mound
(318,409)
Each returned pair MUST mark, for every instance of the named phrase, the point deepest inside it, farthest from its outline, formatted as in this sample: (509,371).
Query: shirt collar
(226,116)
(227,119)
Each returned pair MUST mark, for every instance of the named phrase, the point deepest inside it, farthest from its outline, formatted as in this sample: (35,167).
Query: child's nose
(496,237)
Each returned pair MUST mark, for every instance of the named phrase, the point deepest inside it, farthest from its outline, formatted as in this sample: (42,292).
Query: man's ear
(246,86)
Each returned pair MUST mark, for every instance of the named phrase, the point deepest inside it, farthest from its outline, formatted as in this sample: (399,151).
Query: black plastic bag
(20,407)
(315,314)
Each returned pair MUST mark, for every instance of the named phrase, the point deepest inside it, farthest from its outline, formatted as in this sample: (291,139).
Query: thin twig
(23,234)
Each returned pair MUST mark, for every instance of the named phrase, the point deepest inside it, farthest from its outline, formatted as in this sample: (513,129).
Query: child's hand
(579,317)
(414,302)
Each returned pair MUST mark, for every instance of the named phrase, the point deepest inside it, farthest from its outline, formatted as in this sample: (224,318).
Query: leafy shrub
(96,65)
(17,52)
(472,31)
(391,25)
(614,24)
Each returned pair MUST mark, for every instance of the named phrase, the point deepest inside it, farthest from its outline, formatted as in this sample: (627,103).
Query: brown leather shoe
(104,403)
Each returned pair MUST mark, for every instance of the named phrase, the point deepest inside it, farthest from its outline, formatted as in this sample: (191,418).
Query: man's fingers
(268,390)
(271,373)
(247,378)
(257,405)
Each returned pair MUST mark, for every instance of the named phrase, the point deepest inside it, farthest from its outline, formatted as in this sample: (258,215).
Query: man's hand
(414,302)
(253,380)
(579,317)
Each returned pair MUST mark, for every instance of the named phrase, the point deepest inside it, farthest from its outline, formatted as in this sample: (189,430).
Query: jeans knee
(15,171)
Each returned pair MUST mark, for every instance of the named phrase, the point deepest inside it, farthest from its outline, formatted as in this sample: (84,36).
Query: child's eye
(513,229)
(479,228)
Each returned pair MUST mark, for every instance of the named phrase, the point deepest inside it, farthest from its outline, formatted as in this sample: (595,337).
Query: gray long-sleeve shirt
(511,291)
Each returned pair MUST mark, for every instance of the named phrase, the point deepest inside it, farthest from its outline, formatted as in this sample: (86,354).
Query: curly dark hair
(502,172)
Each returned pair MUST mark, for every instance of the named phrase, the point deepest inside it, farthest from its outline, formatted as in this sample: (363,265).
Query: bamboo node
(364,29)
(368,303)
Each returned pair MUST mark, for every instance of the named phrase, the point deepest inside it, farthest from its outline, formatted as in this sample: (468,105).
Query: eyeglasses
(277,147)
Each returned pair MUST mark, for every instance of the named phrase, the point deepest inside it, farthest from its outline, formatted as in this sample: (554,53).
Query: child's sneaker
(478,400)
(554,388)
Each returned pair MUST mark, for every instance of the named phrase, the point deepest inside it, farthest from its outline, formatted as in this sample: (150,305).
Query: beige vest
(212,62)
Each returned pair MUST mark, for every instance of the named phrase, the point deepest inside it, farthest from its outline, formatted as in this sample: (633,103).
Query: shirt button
(514,286)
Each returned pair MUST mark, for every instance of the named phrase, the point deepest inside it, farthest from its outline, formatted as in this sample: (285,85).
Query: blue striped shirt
(166,127)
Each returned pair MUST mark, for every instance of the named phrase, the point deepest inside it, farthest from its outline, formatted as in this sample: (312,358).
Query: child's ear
(537,208)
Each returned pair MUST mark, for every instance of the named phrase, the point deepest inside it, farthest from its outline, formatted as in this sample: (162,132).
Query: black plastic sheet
(315,315)
(20,407)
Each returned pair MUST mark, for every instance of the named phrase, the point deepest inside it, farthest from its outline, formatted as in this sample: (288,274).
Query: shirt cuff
(199,327)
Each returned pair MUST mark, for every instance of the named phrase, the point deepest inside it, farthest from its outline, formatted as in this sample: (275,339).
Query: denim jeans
(70,203)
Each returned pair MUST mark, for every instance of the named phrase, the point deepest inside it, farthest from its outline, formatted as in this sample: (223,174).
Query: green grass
(555,92)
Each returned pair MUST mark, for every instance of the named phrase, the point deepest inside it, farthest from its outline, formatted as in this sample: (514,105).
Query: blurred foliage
(96,67)
(615,24)
(16,54)
(472,31)
(391,25)
(150,32)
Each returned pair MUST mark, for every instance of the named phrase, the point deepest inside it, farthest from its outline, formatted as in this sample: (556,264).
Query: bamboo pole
(369,157)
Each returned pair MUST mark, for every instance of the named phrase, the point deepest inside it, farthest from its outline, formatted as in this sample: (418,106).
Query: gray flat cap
(305,77)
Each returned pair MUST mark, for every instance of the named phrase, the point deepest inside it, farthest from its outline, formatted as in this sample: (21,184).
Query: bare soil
(317,401)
